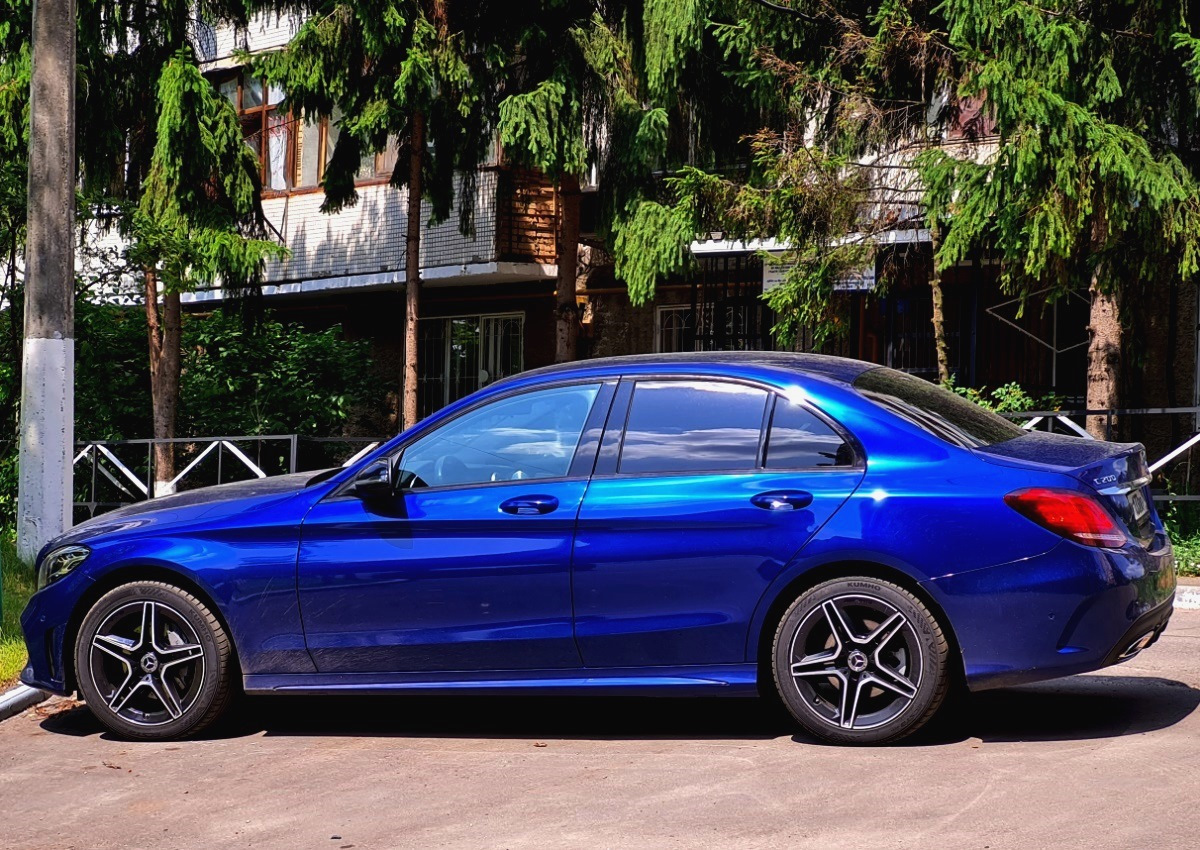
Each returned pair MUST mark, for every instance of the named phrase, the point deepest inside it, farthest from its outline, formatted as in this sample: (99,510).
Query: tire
(860,661)
(173,685)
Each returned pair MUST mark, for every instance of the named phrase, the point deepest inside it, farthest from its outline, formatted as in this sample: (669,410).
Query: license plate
(1137,502)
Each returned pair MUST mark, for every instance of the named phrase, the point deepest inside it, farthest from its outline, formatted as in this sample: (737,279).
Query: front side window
(529,436)
(936,410)
(692,426)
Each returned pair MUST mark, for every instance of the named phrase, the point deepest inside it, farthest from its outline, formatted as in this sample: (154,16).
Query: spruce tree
(842,97)
(629,90)
(197,221)
(1092,183)
(1074,158)
(414,70)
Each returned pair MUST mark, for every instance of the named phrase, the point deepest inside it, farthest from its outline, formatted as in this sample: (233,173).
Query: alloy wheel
(147,663)
(856,662)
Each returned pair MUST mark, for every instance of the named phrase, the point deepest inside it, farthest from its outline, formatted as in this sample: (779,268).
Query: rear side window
(692,426)
(800,440)
(937,410)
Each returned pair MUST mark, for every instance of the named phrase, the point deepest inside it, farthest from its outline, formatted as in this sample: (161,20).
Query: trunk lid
(1117,472)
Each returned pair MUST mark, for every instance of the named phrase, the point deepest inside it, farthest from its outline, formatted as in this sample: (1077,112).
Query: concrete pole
(48,359)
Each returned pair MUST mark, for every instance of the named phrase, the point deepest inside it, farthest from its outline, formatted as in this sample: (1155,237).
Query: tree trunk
(566,312)
(165,336)
(939,315)
(412,270)
(1104,359)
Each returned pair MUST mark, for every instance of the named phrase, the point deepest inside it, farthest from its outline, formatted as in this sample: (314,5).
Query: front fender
(249,575)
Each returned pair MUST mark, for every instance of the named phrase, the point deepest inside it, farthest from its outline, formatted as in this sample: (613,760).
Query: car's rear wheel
(860,661)
(153,662)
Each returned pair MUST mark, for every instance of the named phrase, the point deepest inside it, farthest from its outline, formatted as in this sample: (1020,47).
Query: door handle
(529,505)
(782,500)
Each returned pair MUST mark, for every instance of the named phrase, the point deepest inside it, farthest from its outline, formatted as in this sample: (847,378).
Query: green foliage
(1094,177)
(654,242)
(1009,398)
(674,34)
(1187,556)
(1182,521)
(371,65)
(200,199)
(112,374)
(276,378)
(14,125)
(542,127)
(280,379)
(836,102)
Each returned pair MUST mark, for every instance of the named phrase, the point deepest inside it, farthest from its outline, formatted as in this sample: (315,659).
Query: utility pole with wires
(44,497)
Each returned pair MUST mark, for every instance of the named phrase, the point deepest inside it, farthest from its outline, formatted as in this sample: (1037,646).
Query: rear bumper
(1072,610)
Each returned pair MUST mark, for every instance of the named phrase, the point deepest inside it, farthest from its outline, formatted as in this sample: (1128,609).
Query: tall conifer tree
(413,70)
(1092,184)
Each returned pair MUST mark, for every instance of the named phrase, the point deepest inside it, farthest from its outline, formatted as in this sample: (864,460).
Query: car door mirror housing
(374,481)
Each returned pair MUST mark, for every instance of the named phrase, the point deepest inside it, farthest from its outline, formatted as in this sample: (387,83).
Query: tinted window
(532,435)
(937,410)
(692,426)
(799,440)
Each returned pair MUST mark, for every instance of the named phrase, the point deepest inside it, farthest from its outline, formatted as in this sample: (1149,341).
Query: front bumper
(44,623)
(1072,610)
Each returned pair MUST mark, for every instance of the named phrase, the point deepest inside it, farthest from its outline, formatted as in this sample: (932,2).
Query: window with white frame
(293,152)
(674,329)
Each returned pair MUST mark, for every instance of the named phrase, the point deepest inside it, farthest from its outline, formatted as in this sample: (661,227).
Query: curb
(1187,597)
(18,699)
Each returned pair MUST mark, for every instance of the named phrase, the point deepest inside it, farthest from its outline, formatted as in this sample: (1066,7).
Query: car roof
(836,369)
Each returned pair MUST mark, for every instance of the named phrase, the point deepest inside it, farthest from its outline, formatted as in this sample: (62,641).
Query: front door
(467,566)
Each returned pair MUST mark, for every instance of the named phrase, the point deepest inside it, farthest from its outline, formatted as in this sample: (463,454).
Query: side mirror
(375,481)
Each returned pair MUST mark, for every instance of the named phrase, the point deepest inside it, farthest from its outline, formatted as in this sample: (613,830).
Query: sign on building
(775,272)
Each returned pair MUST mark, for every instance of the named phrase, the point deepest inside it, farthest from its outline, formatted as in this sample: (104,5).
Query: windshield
(936,410)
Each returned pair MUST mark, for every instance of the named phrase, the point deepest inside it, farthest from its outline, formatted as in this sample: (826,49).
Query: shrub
(277,379)
(1009,398)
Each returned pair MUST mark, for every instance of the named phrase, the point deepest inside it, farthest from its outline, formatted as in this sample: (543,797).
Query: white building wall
(218,42)
(368,238)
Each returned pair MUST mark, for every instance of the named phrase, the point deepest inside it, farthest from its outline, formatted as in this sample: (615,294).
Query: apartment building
(488,298)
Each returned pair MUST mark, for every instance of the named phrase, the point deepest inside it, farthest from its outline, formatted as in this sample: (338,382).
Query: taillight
(1073,515)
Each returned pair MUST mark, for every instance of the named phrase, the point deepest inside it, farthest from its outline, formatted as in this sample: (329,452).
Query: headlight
(60,562)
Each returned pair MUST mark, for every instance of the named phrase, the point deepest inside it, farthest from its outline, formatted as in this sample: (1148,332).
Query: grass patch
(18,583)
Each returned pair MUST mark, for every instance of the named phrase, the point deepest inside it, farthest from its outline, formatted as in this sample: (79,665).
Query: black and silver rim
(147,663)
(856,662)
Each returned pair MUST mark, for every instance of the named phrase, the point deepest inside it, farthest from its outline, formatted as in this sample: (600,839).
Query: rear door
(704,490)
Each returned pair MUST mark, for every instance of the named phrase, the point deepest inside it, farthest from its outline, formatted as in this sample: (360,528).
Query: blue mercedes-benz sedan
(854,539)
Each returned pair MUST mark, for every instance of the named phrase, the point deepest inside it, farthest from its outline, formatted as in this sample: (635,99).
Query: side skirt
(721,680)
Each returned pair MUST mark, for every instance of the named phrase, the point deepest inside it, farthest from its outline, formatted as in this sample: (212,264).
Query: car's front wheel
(860,661)
(153,662)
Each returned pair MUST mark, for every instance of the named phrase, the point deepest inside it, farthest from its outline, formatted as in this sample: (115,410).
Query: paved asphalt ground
(1108,760)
